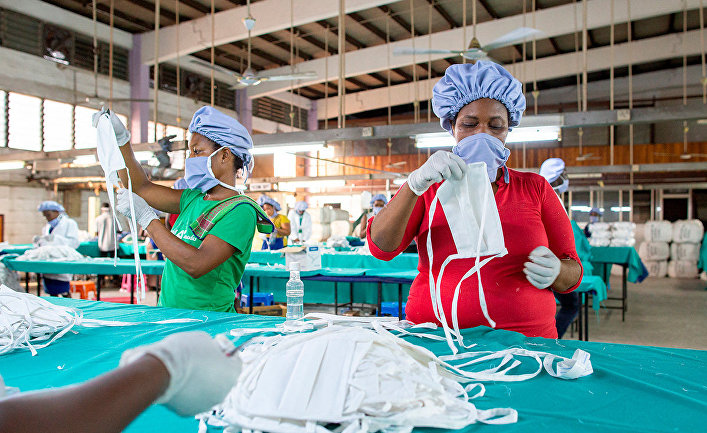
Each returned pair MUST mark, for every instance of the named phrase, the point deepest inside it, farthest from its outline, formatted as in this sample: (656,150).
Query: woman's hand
(144,214)
(441,165)
(545,270)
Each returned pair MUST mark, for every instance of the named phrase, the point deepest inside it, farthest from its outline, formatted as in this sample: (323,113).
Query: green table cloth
(633,388)
(92,266)
(702,262)
(625,256)
(90,249)
(342,260)
(18,249)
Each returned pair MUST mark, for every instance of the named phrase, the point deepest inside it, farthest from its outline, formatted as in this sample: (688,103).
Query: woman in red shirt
(478,104)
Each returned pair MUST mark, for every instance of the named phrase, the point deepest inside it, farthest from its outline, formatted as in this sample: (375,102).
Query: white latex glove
(200,374)
(43,240)
(122,135)
(441,165)
(143,212)
(543,268)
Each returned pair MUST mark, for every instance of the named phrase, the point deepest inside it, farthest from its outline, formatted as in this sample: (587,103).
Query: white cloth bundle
(599,242)
(599,227)
(622,242)
(340,228)
(685,251)
(658,231)
(682,269)
(9,278)
(30,322)
(338,241)
(688,231)
(623,226)
(368,380)
(52,252)
(656,268)
(654,251)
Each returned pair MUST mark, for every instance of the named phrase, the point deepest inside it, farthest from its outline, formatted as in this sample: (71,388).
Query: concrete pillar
(139,76)
(245,109)
(312,121)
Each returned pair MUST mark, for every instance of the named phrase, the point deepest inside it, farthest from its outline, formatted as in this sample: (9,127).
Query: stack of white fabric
(321,224)
(623,234)
(685,249)
(51,252)
(601,234)
(655,249)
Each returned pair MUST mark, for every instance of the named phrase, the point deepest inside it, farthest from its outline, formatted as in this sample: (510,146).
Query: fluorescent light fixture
(11,165)
(319,184)
(536,133)
(581,208)
(601,209)
(399,180)
(144,156)
(434,139)
(84,161)
(289,148)
(621,209)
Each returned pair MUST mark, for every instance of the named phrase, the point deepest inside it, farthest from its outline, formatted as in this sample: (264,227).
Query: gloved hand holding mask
(543,268)
(143,212)
(441,165)
(200,374)
(122,135)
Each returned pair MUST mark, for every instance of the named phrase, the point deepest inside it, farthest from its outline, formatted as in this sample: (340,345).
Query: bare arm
(114,400)
(158,196)
(284,229)
(196,262)
(388,227)
(570,272)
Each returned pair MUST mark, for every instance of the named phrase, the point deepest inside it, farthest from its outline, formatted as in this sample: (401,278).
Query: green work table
(18,249)
(633,388)
(90,249)
(633,270)
(342,260)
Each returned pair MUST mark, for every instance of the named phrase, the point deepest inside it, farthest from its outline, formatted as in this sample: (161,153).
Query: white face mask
(470,209)
(111,161)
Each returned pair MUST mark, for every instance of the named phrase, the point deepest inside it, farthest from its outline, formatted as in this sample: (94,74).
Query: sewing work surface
(633,388)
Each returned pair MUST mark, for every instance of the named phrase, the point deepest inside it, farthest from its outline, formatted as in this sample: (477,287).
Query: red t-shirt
(531,215)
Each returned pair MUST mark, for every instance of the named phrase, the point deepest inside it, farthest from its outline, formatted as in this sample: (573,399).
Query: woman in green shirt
(209,245)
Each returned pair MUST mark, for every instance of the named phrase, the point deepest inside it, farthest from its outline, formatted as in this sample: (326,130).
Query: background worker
(300,223)
(276,240)
(59,230)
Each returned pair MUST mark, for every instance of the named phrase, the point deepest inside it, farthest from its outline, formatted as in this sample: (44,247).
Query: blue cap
(180,183)
(301,206)
(263,199)
(465,83)
(552,168)
(379,197)
(596,210)
(223,130)
(50,205)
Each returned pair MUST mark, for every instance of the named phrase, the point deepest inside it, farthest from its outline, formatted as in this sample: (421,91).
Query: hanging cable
(213,50)
(327,54)
(685,127)
(536,92)
(179,77)
(630,103)
(156,70)
(429,61)
(110,56)
(95,51)
(612,127)
(387,42)
(702,54)
(416,102)
(464,28)
(342,63)
(524,49)
(292,62)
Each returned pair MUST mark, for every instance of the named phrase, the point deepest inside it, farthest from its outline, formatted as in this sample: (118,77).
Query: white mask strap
(237,188)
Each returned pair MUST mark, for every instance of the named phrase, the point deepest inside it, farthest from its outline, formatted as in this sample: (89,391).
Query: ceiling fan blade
(512,37)
(411,51)
(287,77)
(238,86)
(698,155)
(474,54)
(215,67)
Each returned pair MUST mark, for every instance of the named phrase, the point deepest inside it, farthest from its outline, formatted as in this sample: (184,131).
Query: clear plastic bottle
(295,294)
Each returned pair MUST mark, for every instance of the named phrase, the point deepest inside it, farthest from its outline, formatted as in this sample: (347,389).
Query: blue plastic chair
(391,309)
(259,298)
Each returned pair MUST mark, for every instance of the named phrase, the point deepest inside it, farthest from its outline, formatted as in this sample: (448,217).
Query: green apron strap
(208,219)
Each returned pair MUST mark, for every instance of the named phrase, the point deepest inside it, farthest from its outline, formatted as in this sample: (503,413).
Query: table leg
(336,298)
(580,320)
(400,301)
(585,301)
(351,295)
(250,298)
(624,288)
(39,284)
(380,297)
(27,282)
(98,289)
(132,290)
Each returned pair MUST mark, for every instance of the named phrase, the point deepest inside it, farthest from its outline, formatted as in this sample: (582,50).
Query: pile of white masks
(356,373)
(52,253)
(30,322)
(112,161)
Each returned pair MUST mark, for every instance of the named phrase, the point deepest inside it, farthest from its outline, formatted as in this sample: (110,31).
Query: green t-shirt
(214,291)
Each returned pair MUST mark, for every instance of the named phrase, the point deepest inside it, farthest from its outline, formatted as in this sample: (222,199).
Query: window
(151,131)
(180,133)
(285,164)
(58,122)
(24,126)
(85,132)
(3,114)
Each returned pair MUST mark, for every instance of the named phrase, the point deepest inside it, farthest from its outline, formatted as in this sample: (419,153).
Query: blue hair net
(596,210)
(377,197)
(552,168)
(301,206)
(263,199)
(180,183)
(50,205)
(223,130)
(465,83)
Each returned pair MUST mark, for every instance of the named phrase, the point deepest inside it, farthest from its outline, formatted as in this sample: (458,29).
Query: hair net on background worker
(50,205)
(225,131)
(465,83)
(263,199)
(377,197)
(301,206)
(180,183)
(597,211)
(552,169)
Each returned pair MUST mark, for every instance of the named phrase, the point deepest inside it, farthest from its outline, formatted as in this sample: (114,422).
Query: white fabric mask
(111,161)
(470,209)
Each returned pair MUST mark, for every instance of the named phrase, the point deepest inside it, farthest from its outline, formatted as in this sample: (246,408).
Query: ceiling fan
(476,51)
(249,77)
